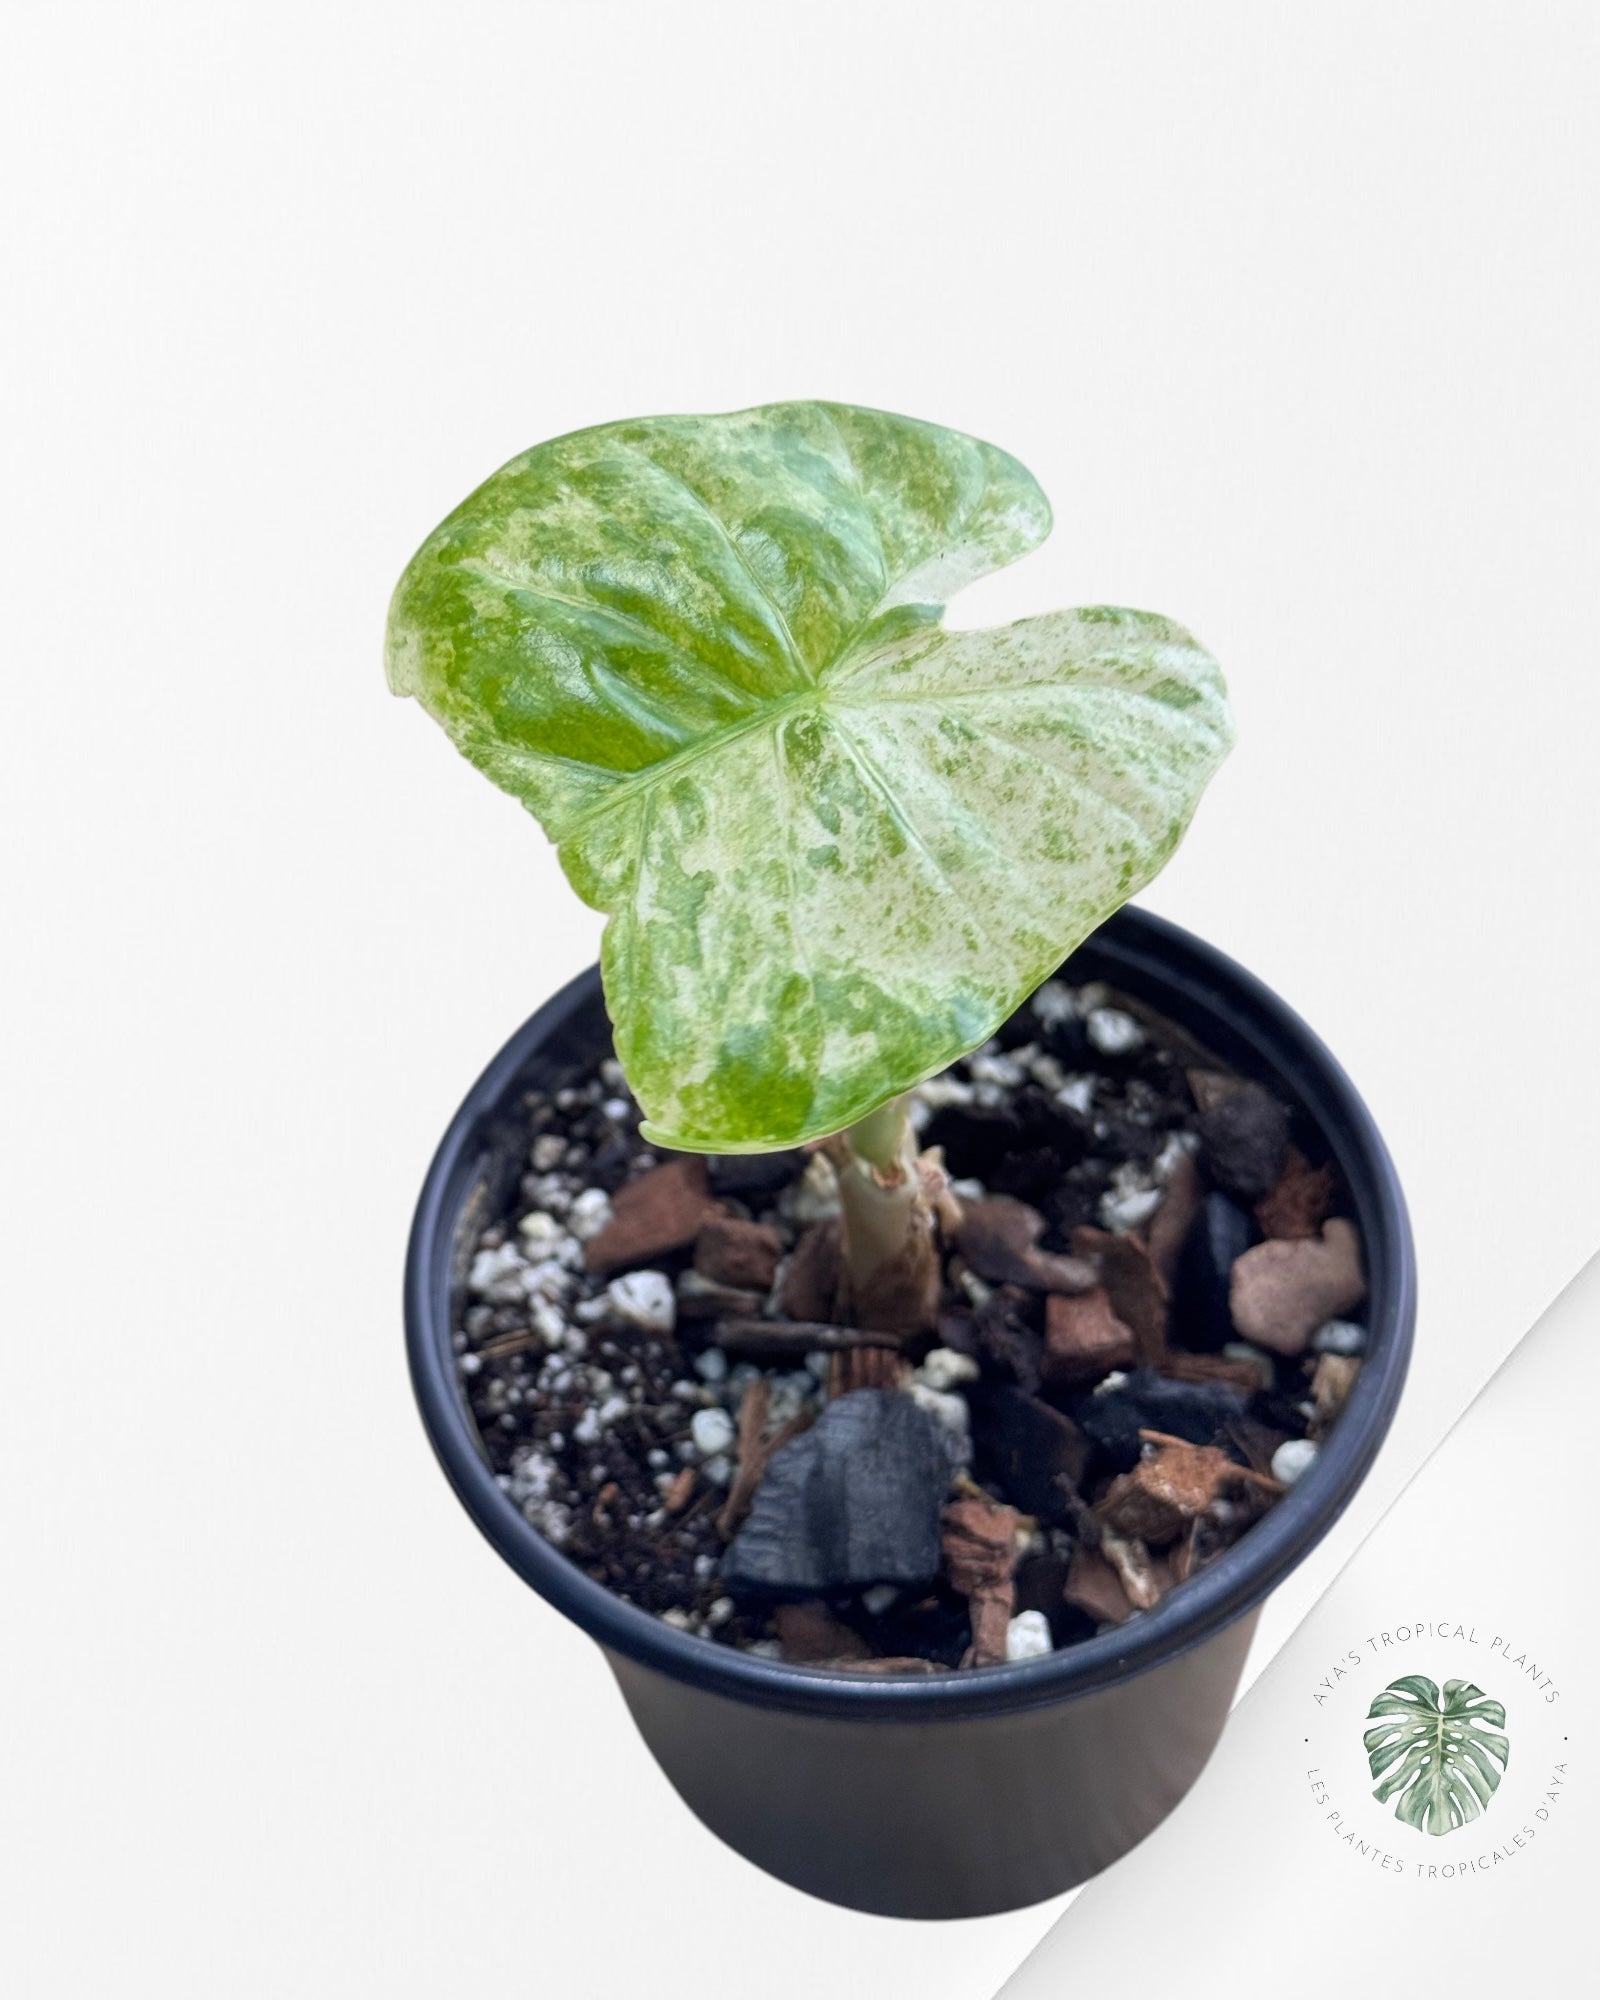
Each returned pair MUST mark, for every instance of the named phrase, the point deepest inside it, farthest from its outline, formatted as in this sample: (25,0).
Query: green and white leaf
(1439,1756)
(837,844)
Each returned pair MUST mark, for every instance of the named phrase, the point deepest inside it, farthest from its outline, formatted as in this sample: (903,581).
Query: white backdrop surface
(1292,311)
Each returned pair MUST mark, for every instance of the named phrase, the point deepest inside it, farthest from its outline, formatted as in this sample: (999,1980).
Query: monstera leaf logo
(1438,1756)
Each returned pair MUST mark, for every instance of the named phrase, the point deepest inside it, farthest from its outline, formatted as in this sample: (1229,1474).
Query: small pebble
(711,1365)
(612,1074)
(1028,1636)
(1004,1070)
(644,1299)
(589,1214)
(1292,1460)
(1339,1336)
(944,1369)
(712,1432)
(939,1091)
(820,1363)
(1122,1211)
(1077,1094)
(678,1619)
(1112,1032)
(548,1151)
(719,1611)
(1053,1003)
(878,1597)
(718,1471)
(1047,1072)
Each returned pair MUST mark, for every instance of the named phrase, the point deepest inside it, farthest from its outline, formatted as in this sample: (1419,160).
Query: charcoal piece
(853,1501)
(1201,1412)
(1244,1142)
(1218,1237)
(746,1174)
(1034,1454)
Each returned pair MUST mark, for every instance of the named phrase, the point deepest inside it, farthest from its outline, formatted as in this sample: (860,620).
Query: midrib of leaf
(797,659)
(652,638)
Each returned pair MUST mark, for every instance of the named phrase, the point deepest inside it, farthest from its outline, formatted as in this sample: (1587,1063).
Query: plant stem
(889,1249)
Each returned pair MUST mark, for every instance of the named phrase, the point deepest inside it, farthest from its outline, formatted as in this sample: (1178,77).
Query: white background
(1293,311)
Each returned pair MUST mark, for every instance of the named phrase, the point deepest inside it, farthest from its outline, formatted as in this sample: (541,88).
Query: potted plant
(844,854)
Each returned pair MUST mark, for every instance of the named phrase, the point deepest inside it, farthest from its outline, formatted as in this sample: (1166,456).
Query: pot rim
(1147,957)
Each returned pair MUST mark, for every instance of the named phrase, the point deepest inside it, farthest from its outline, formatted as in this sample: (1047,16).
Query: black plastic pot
(950,1795)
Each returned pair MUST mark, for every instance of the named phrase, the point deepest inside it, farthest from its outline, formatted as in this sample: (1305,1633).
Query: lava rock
(853,1501)
(1281,1292)
(1220,1235)
(1111,1419)
(1032,1452)
(747,1174)
(1244,1142)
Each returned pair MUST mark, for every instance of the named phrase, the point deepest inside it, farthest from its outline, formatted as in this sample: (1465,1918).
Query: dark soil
(627,1345)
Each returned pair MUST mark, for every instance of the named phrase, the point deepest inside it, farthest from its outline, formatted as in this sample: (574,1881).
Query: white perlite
(1028,1636)
(1339,1336)
(1053,1003)
(1292,1460)
(589,1214)
(1122,1209)
(1112,1032)
(944,1369)
(643,1299)
(1077,1094)
(712,1432)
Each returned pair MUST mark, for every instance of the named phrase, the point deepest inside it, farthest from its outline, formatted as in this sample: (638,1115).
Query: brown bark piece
(1280,1291)
(731,1251)
(681,1491)
(811,1636)
(1084,1339)
(1157,1500)
(1094,1586)
(1172,1221)
(999,1238)
(811,1283)
(867,1368)
(1179,1367)
(702,1298)
(1298,1205)
(980,1554)
(755,1449)
(662,1210)
(786,1339)
(1136,1289)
